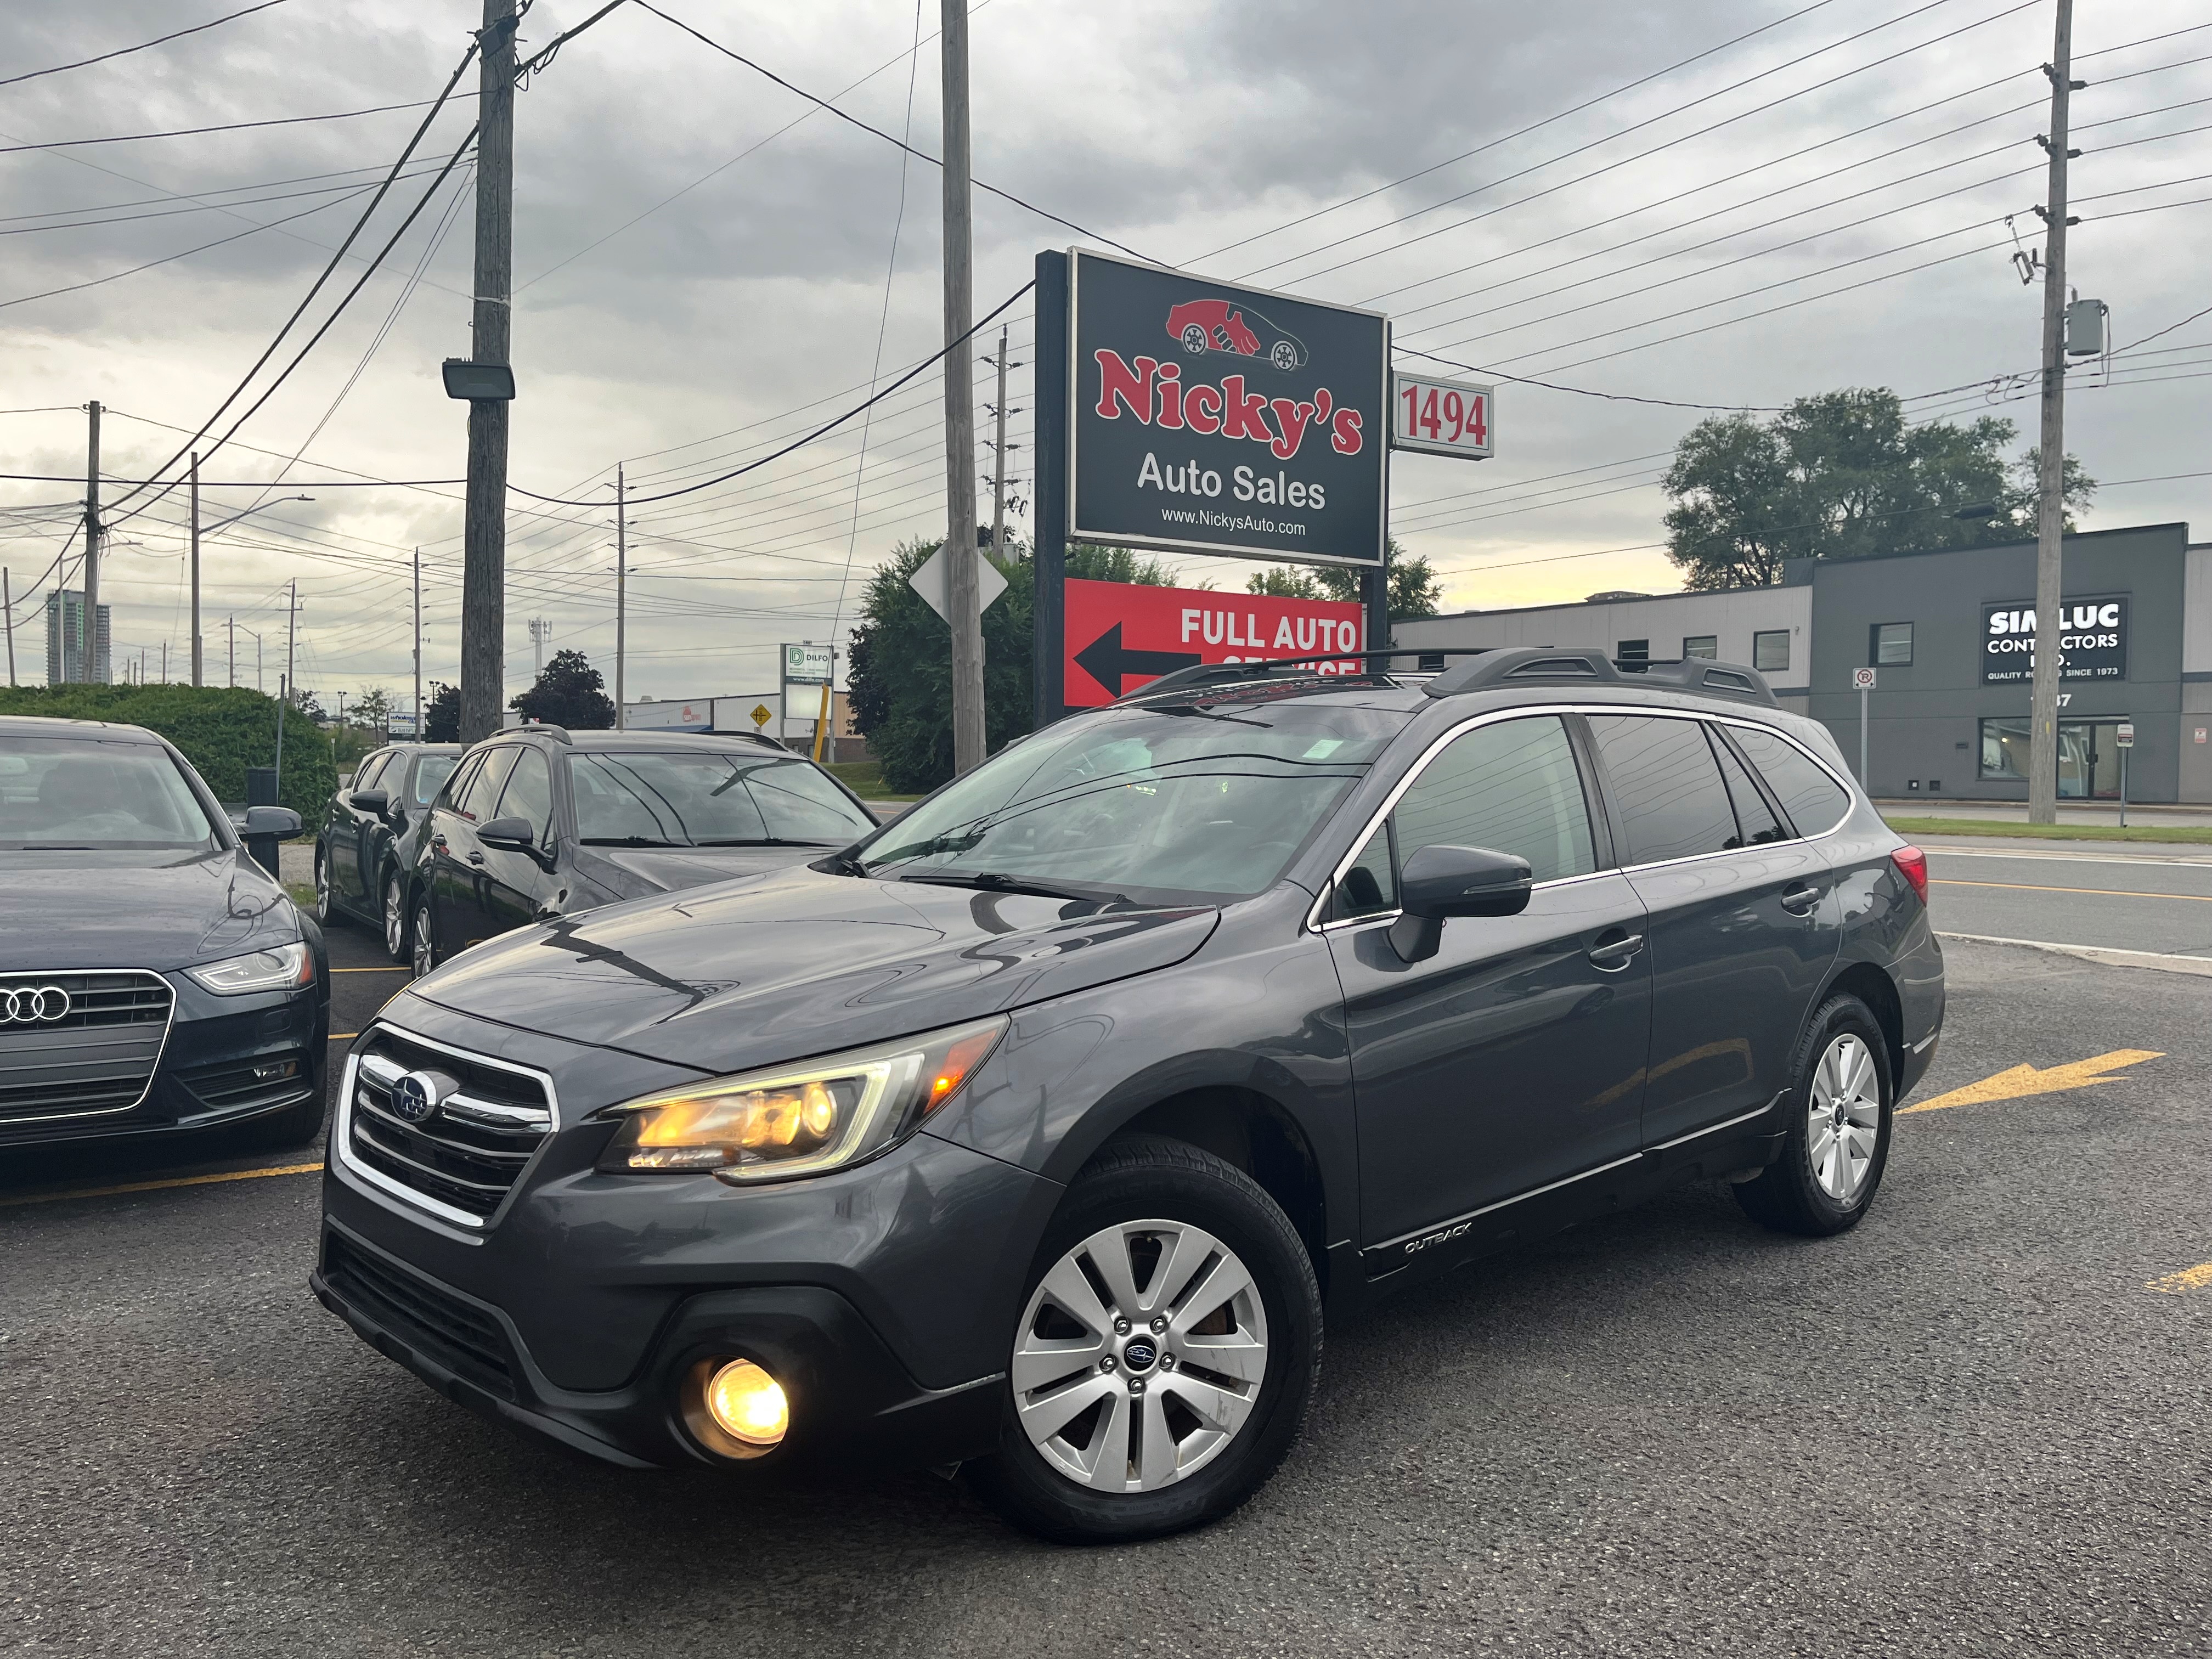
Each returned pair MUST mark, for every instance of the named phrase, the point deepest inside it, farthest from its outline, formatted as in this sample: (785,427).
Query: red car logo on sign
(1203,325)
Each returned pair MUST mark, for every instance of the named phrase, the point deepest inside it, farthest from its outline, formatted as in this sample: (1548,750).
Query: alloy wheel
(322,889)
(426,951)
(395,918)
(1844,1117)
(1140,1356)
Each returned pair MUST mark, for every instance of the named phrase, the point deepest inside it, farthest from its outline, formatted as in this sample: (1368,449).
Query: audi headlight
(287,967)
(799,1120)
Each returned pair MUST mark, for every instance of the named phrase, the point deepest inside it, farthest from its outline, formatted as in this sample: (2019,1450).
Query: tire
(1195,341)
(394,914)
(1157,1203)
(426,954)
(1284,356)
(326,910)
(1836,1142)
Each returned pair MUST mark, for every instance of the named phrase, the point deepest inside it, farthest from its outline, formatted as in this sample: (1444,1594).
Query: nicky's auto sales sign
(1223,420)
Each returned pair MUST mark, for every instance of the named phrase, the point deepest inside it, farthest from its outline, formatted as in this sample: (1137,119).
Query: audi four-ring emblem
(33,1005)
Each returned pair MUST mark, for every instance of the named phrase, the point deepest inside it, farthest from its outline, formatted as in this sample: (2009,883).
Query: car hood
(80,911)
(667,869)
(799,963)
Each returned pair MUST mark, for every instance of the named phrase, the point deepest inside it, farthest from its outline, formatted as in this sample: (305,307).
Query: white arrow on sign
(930,581)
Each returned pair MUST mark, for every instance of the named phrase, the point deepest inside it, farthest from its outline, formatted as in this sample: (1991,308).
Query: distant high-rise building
(65,625)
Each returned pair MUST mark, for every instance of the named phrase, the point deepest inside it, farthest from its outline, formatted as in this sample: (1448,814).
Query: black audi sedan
(154,979)
(1040,1132)
(540,823)
(370,833)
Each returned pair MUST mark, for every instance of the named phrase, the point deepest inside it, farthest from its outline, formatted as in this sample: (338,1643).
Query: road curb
(2200,966)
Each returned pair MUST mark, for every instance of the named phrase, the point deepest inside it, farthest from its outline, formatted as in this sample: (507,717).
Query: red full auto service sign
(1121,636)
(1223,420)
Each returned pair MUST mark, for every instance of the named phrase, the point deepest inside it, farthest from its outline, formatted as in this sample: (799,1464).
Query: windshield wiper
(627,841)
(997,881)
(844,864)
(55,847)
(761,841)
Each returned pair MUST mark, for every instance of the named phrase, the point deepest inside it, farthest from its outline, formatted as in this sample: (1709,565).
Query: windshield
(80,794)
(710,799)
(1153,805)
(430,775)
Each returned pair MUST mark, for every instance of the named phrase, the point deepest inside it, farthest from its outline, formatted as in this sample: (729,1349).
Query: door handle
(438,842)
(1614,949)
(1799,900)
(476,858)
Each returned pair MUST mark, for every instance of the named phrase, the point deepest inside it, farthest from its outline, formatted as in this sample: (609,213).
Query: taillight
(1912,864)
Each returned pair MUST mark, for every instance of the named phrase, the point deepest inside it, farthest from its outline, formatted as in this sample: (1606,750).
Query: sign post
(2127,742)
(1863,679)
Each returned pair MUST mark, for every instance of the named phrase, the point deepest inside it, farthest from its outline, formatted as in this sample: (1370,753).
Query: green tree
(1416,591)
(1841,476)
(569,692)
(899,658)
(221,730)
(442,713)
(372,707)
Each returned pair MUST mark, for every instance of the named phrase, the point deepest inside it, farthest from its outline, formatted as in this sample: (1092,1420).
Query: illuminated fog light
(748,1404)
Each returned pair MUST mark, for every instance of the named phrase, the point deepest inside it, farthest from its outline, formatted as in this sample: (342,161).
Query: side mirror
(281,821)
(1455,881)
(371,801)
(507,832)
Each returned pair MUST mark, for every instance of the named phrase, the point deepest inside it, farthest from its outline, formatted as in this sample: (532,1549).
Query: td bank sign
(2093,640)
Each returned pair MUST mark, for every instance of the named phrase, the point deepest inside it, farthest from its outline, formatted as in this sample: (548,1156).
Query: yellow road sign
(762,713)
(2016,1082)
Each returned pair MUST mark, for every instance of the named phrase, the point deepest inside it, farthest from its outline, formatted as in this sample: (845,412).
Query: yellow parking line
(153,1185)
(2189,1279)
(340,1036)
(2015,886)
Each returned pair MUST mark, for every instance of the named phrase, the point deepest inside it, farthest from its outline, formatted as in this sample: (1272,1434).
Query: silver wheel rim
(322,890)
(422,943)
(395,918)
(1844,1118)
(1143,1385)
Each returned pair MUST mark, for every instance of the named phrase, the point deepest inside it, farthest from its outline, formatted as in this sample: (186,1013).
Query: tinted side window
(474,802)
(431,772)
(529,796)
(1369,887)
(1667,784)
(1512,788)
(365,778)
(458,785)
(1753,815)
(1815,802)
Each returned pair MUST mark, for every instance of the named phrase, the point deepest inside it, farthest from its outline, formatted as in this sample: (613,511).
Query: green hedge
(222,730)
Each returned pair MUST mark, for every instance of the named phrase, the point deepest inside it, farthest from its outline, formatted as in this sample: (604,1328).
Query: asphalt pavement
(2147,896)
(1980,1424)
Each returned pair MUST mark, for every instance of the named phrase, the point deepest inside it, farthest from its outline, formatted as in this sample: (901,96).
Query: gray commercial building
(1950,637)
(65,623)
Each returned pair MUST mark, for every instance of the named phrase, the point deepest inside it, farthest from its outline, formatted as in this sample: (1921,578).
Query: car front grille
(468,1153)
(99,1057)
(425,1315)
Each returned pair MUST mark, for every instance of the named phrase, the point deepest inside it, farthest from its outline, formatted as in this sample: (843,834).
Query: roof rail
(542,729)
(1205,675)
(1698,676)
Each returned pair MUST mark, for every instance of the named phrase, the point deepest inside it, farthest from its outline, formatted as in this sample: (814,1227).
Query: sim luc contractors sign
(2093,640)
(1223,420)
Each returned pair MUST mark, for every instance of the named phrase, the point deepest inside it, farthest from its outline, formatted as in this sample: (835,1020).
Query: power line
(124,52)
(226,126)
(342,191)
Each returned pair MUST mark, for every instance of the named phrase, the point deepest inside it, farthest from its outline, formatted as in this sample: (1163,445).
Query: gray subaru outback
(1039,1133)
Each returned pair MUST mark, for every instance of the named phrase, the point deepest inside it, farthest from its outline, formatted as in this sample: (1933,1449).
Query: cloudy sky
(1722,203)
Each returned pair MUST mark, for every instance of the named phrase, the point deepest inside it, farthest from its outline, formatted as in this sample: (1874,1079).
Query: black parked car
(540,823)
(1038,1130)
(371,833)
(154,979)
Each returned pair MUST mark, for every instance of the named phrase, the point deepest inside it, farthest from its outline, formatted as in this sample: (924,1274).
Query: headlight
(284,969)
(799,1120)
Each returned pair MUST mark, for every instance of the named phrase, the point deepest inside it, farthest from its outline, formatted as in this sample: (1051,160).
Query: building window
(1701,644)
(1890,644)
(1638,651)
(1770,652)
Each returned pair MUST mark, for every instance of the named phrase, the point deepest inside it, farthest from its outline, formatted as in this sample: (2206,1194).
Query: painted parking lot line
(2018,887)
(2169,961)
(2189,1279)
(157,1185)
(2018,1082)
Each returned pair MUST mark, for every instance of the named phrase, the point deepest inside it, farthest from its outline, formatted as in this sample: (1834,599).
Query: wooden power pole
(484,568)
(2050,484)
(88,622)
(960,585)
(622,598)
(195,569)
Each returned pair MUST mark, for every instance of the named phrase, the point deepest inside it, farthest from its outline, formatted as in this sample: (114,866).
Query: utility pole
(231,677)
(960,593)
(196,570)
(285,687)
(483,568)
(8,613)
(165,662)
(999,450)
(419,735)
(2050,514)
(622,595)
(541,635)
(88,623)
